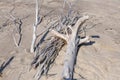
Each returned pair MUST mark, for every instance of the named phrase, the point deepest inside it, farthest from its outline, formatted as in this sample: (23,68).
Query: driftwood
(65,31)
(73,41)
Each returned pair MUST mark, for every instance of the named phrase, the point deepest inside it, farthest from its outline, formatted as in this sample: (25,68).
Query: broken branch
(84,40)
(64,37)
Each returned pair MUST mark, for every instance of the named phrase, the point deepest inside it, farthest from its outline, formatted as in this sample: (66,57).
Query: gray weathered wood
(72,46)
(34,29)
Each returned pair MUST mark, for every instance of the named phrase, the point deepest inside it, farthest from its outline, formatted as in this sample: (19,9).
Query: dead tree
(73,41)
(35,28)
(65,30)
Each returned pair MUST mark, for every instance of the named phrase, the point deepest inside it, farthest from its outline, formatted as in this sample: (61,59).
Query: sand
(99,60)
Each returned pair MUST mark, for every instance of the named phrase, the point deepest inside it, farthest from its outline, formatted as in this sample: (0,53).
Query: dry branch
(64,37)
(37,21)
(46,56)
(19,30)
(33,39)
(18,24)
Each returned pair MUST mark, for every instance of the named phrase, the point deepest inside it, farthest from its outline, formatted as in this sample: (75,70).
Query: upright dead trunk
(34,29)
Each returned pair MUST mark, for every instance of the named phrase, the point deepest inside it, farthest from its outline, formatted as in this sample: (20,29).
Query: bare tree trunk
(33,39)
(34,29)
(72,46)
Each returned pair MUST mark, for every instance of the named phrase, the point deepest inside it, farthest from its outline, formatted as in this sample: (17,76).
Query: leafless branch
(35,28)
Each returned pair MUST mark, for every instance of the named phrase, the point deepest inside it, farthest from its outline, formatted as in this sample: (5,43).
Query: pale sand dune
(97,61)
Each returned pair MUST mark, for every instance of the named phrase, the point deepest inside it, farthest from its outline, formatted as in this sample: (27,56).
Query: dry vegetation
(48,41)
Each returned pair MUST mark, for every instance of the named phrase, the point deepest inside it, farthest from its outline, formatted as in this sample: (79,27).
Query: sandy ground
(99,60)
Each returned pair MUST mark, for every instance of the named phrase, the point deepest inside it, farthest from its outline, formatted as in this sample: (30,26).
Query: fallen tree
(73,41)
(66,31)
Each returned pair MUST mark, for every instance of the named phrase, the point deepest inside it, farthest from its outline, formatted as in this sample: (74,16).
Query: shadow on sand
(5,64)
